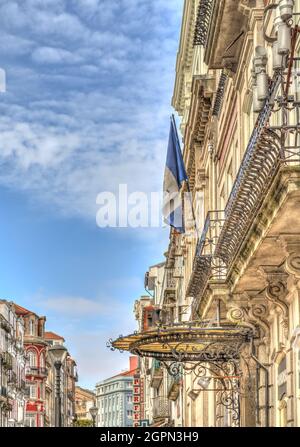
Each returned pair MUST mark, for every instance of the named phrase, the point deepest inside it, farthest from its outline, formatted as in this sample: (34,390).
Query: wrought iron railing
(206,265)
(160,407)
(269,148)
(203,21)
(260,163)
(220,94)
(36,371)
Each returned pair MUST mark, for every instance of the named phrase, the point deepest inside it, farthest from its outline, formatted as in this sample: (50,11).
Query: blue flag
(175,175)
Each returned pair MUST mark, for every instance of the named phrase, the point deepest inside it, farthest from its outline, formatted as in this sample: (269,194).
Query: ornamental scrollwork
(293,264)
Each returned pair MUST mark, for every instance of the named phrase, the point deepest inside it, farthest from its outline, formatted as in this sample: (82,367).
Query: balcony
(36,371)
(174,387)
(206,265)
(267,184)
(160,408)
(220,29)
(169,284)
(265,192)
(156,373)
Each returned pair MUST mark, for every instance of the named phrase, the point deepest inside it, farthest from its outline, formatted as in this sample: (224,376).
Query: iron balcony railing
(205,9)
(36,371)
(269,147)
(160,407)
(206,265)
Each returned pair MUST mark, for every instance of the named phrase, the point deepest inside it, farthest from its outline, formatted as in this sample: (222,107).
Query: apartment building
(223,334)
(114,398)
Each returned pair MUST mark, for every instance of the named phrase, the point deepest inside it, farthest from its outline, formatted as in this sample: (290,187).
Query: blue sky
(89,86)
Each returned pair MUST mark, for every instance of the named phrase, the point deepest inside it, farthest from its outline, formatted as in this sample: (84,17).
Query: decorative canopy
(186,342)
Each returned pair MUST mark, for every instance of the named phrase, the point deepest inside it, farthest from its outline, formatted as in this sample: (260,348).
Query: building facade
(114,398)
(68,379)
(84,400)
(225,326)
(12,367)
(36,368)
(40,374)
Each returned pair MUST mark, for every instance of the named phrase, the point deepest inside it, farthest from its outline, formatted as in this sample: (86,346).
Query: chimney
(133,363)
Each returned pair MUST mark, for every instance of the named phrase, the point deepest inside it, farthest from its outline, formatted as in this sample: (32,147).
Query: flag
(175,175)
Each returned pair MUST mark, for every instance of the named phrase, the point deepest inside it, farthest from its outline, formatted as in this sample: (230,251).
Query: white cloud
(89,85)
(49,55)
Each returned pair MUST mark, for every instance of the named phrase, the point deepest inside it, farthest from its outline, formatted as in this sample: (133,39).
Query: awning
(185,342)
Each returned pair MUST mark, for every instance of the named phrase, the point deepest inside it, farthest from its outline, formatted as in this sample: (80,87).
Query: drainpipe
(266,371)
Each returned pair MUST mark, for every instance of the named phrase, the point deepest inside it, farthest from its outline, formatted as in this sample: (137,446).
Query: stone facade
(241,265)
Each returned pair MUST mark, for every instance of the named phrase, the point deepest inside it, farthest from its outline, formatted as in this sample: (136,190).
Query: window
(32,391)
(30,421)
(229,178)
(31,327)
(223,198)
(42,360)
(129,413)
(32,359)
(129,399)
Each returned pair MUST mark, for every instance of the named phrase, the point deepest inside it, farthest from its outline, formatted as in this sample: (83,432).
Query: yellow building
(226,324)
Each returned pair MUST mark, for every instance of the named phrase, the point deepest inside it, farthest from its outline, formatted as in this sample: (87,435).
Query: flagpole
(187,182)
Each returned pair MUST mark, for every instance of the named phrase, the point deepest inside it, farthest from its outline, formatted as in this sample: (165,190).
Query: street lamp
(94,411)
(57,355)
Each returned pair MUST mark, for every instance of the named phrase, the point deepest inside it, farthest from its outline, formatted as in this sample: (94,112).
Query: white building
(12,367)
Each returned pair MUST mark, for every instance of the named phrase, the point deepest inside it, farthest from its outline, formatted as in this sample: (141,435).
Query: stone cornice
(185,53)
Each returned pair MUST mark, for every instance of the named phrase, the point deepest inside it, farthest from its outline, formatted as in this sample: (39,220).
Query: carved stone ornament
(251,314)
(277,290)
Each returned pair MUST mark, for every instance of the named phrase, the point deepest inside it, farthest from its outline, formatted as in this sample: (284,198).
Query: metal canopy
(186,342)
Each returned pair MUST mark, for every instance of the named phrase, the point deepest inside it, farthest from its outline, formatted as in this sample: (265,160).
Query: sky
(86,108)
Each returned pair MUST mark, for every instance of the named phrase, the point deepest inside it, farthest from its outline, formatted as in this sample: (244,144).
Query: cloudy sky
(86,108)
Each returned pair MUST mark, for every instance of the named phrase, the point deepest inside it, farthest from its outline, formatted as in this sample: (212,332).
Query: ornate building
(40,376)
(36,369)
(12,367)
(226,325)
